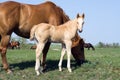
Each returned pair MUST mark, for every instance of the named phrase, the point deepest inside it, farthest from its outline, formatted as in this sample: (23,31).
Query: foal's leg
(68,48)
(3,48)
(61,58)
(39,49)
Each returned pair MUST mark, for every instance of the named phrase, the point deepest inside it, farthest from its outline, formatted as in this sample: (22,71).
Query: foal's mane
(67,23)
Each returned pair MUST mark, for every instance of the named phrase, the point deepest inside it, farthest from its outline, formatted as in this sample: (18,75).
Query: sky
(102,17)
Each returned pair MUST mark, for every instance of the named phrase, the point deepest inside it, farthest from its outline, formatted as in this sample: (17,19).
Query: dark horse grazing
(14,44)
(20,18)
(89,45)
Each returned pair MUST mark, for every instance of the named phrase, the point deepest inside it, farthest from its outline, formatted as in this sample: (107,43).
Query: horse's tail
(32,32)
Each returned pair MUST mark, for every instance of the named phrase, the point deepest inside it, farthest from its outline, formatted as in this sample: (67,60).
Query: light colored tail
(32,33)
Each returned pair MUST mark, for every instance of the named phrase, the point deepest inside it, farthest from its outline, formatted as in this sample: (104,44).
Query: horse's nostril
(80,31)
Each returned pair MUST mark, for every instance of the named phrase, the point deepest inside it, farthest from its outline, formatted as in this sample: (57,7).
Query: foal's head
(80,22)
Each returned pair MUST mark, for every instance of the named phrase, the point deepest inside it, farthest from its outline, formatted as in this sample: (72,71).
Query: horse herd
(14,44)
(46,23)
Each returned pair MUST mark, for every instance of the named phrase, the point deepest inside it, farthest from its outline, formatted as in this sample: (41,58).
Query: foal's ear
(83,15)
(78,15)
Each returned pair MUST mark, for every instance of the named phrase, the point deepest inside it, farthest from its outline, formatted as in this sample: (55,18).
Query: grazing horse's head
(80,22)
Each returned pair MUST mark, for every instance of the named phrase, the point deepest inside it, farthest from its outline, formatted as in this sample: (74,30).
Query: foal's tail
(32,33)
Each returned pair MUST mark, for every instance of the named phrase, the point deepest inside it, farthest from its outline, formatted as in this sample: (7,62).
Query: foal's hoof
(39,72)
(70,70)
(9,71)
(60,69)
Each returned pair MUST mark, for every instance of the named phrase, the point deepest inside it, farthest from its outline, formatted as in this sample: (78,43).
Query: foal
(61,34)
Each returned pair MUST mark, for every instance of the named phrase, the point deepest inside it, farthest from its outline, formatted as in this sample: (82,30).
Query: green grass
(103,64)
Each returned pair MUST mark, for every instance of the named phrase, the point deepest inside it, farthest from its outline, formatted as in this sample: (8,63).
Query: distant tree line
(107,45)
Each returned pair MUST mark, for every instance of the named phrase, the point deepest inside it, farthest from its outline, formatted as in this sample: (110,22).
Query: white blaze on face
(80,24)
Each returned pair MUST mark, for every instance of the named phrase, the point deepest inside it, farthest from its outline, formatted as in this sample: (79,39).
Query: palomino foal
(61,34)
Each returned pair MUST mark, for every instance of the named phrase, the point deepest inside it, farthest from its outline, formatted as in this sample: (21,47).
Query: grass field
(103,64)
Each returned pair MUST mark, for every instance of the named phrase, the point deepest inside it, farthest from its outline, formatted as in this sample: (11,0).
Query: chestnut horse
(64,34)
(20,18)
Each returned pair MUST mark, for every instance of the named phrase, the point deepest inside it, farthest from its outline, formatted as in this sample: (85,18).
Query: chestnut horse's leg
(3,48)
(45,51)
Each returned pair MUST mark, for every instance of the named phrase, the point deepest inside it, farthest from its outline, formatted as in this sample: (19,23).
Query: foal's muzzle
(80,31)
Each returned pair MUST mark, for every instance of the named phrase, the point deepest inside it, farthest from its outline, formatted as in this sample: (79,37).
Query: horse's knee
(3,51)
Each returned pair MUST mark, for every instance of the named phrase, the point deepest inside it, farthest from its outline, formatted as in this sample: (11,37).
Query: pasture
(101,64)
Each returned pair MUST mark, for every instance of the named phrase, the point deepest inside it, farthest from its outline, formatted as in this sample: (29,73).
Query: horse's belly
(22,32)
(57,39)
